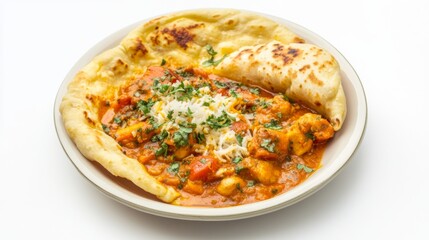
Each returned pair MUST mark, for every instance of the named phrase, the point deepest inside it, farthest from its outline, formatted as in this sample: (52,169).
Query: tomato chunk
(239,126)
(108,116)
(203,168)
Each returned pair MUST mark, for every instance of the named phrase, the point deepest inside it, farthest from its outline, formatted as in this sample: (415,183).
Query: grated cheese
(220,142)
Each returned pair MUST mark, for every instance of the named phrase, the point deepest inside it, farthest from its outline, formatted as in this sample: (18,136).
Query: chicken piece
(262,171)
(299,142)
(230,185)
(194,187)
(309,128)
(269,144)
(141,131)
(182,152)
(315,125)
(225,171)
(277,108)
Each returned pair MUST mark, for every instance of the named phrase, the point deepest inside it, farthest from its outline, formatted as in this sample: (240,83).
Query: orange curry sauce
(285,141)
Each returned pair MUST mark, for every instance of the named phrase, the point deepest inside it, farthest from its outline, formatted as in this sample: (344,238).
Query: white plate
(337,154)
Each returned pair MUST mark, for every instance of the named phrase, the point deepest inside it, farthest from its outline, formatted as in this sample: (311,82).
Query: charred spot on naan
(137,49)
(312,77)
(119,67)
(287,55)
(181,35)
(243,52)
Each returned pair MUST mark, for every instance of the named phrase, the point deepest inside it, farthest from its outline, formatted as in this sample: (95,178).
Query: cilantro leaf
(233,93)
(174,168)
(181,137)
(238,169)
(145,106)
(300,166)
(162,150)
(160,137)
(170,114)
(273,124)
(263,103)
(268,145)
(310,135)
(212,61)
(223,120)
(200,137)
(239,139)
(237,160)
(117,120)
(255,90)
(106,129)
(220,84)
(184,92)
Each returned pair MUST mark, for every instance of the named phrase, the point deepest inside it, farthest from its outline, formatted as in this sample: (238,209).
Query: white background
(381,194)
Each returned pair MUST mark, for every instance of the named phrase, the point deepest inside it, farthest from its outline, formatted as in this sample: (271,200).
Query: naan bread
(180,39)
(304,72)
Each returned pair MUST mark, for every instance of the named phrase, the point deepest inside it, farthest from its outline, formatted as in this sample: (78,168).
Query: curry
(216,141)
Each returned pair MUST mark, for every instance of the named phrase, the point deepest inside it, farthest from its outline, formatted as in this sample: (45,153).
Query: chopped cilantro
(189,112)
(210,50)
(200,137)
(174,168)
(233,93)
(206,104)
(162,150)
(285,98)
(145,106)
(163,62)
(273,124)
(256,91)
(251,183)
(239,139)
(203,84)
(117,120)
(268,145)
(188,125)
(220,84)
(212,61)
(181,137)
(183,179)
(237,160)
(160,137)
(183,73)
(185,91)
(154,124)
(264,104)
(310,135)
(106,129)
(238,169)
(170,114)
(223,120)
(238,186)
(163,88)
(300,166)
